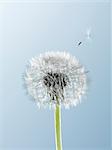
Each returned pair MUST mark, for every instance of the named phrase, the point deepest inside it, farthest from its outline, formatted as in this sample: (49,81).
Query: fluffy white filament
(55,78)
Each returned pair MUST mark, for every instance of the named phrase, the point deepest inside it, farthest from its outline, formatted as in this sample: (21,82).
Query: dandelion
(55,80)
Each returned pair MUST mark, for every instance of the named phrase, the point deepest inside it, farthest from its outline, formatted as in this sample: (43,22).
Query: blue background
(28,29)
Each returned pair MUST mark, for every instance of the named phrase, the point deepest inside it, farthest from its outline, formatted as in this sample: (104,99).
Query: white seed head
(55,78)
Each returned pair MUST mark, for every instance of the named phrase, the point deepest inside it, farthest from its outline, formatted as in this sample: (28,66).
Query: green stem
(58,139)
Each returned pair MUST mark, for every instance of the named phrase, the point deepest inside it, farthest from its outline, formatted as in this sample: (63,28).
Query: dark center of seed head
(55,80)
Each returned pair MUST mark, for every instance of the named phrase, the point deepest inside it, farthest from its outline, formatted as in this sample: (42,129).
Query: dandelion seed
(79,43)
(89,34)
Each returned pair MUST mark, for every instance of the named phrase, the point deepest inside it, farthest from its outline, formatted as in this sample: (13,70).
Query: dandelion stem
(57,118)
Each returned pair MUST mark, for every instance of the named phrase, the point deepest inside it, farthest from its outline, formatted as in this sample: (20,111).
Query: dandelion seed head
(55,78)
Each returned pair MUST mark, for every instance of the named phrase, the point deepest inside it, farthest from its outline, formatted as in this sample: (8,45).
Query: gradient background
(26,30)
